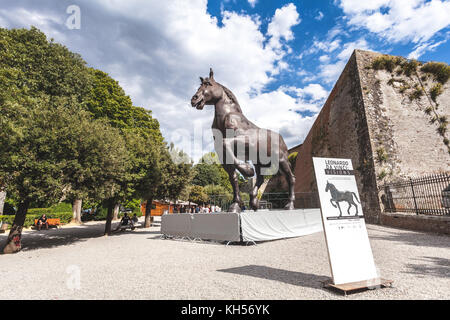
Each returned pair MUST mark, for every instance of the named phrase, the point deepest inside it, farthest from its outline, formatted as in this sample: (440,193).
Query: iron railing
(428,195)
(274,200)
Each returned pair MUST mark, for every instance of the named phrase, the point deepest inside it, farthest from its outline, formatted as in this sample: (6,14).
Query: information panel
(346,236)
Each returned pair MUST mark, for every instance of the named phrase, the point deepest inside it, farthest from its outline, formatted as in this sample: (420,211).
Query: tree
(95,156)
(36,163)
(42,88)
(218,194)
(198,195)
(140,130)
(210,171)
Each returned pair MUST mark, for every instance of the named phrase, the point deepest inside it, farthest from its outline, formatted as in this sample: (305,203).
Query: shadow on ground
(413,238)
(433,266)
(295,278)
(52,238)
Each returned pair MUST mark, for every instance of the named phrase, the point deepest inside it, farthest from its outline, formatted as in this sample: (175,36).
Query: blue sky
(280,58)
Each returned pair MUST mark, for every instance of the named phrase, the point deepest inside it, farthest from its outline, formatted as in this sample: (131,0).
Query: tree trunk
(2,201)
(148,211)
(109,217)
(116,212)
(13,243)
(76,210)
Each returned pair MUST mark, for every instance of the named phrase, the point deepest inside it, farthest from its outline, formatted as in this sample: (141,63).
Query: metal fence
(428,195)
(275,200)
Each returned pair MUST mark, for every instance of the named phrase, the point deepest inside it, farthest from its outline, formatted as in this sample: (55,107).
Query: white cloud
(319,16)
(280,27)
(252,3)
(157,51)
(49,23)
(313,92)
(324,58)
(331,71)
(422,48)
(399,20)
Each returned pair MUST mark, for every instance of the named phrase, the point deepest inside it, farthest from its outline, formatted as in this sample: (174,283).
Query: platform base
(358,286)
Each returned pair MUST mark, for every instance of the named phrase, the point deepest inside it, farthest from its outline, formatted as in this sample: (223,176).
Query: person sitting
(42,221)
(125,222)
(135,219)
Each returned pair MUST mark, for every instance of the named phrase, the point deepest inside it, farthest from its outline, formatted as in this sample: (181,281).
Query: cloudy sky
(280,58)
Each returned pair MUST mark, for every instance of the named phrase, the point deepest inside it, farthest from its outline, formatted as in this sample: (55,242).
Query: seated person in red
(42,221)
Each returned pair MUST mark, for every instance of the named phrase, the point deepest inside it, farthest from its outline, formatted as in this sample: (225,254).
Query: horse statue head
(208,93)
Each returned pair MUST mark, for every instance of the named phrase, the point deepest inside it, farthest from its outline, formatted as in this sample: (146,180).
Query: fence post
(414,195)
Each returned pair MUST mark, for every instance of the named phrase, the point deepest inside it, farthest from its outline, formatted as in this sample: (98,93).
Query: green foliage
(435,91)
(409,67)
(381,155)
(382,174)
(198,195)
(442,129)
(416,94)
(65,217)
(446,141)
(439,70)
(60,207)
(218,194)
(210,171)
(386,62)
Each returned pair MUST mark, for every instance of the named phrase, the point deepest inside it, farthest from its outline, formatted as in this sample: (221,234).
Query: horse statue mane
(230,94)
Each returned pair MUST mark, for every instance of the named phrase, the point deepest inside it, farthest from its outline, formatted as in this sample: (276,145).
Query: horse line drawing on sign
(339,196)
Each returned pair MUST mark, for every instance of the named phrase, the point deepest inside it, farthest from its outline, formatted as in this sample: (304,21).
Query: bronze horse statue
(238,141)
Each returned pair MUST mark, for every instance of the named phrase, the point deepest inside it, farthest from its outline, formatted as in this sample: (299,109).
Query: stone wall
(365,114)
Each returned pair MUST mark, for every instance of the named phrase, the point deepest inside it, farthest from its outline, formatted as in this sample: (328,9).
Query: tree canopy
(71,132)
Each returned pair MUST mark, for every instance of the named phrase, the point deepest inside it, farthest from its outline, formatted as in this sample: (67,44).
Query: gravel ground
(139,265)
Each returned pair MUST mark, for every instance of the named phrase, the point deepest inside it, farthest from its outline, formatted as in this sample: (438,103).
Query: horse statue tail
(356,197)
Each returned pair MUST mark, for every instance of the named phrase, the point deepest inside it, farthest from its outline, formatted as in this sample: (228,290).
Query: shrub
(65,217)
(60,207)
(416,94)
(439,70)
(386,62)
(382,175)
(408,67)
(382,155)
(435,91)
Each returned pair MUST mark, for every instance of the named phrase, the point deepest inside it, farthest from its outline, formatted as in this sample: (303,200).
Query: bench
(52,222)
(128,226)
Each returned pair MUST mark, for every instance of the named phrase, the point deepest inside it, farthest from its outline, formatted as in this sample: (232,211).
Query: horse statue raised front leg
(238,141)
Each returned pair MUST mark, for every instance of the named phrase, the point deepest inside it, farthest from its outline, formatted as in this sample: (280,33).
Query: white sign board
(346,236)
